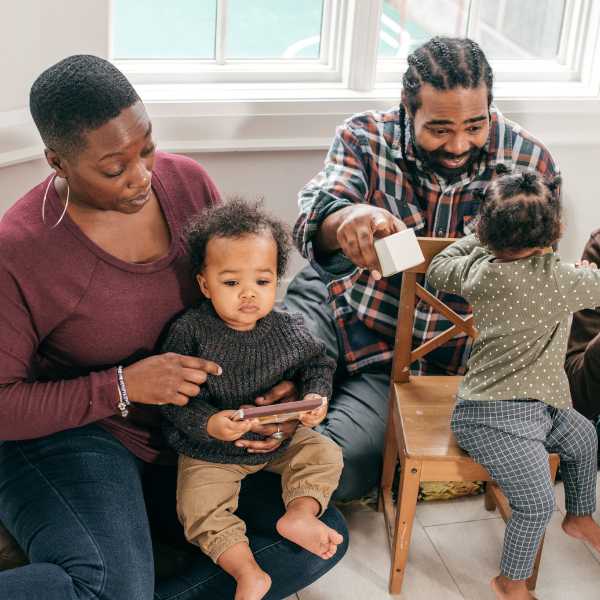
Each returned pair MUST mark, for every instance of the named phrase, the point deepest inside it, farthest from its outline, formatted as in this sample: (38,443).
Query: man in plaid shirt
(412,166)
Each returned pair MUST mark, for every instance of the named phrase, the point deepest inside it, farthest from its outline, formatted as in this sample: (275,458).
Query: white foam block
(398,252)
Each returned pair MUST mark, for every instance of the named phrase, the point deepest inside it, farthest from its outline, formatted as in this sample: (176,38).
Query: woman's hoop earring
(64,212)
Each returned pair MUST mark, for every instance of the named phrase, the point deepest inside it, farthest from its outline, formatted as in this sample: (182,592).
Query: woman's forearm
(33,410)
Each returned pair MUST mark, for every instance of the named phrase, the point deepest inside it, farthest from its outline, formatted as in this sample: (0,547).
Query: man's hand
(355,229)
(315,416)
(221,426)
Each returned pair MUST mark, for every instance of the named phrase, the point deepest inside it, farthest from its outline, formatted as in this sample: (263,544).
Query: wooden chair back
(404,354)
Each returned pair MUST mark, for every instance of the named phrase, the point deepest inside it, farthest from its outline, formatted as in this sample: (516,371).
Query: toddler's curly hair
(236,218)
(518,211)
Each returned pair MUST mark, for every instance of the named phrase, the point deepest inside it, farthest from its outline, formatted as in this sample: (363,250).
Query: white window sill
(191,118)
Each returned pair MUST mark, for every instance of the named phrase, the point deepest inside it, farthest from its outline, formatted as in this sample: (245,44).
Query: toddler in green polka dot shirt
(514,405)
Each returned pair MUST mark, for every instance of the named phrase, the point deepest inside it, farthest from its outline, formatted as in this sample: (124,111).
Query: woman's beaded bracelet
(124,403)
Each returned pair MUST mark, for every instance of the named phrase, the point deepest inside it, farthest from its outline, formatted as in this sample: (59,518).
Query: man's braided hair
(445,63)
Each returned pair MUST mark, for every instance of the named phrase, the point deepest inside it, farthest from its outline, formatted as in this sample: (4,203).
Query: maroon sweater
(70,312)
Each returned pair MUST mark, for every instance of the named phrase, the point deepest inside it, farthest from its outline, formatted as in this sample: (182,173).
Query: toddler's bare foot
(252,582)
(508,589)
(583,528)
(301,526)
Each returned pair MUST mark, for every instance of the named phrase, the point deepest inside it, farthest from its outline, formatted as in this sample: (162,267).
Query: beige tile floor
(455,551)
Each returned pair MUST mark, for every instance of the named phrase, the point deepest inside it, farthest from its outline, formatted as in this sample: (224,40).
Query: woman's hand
(284,391)
(221,426)
(269,444)
(313,417)
(167,378)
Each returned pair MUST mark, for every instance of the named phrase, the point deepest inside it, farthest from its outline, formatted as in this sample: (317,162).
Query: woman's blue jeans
(83,509)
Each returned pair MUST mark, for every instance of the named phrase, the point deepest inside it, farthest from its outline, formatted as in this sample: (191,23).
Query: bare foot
(301,526)
(509,589)
(252,582)
(583,528)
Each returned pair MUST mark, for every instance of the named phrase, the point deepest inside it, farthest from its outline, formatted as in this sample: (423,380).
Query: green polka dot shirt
(521,310)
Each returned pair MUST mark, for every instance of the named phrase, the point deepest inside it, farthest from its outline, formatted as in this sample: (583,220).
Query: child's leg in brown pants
(310,470)
(207,498)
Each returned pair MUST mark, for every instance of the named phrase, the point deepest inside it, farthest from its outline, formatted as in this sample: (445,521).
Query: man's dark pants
(358,409)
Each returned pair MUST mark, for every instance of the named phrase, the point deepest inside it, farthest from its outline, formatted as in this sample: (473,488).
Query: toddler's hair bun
(554,183)
(528,182)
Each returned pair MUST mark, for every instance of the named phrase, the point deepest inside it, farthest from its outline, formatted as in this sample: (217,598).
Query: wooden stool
(418,432)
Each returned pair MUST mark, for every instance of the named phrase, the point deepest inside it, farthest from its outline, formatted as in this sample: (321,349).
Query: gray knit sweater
(279,348)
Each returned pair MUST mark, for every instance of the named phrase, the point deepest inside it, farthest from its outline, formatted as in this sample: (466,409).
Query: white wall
(37,33)
(279,175)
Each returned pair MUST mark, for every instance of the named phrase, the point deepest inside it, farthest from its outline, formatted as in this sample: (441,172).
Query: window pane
(505,28)
(159,29)
(274,29)
(517,29)
(406,24)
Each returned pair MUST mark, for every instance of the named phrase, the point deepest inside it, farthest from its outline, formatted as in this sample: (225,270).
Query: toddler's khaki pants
(207,493)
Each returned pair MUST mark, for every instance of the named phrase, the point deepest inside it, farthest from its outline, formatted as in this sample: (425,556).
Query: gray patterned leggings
(512,439)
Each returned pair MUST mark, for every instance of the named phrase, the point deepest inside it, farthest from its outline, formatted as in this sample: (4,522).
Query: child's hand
(587,264)
(314,417)
(221,426)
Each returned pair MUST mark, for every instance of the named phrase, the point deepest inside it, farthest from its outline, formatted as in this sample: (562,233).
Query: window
(227,40)
(212,30)
(151,29)
(506,29)
(525,41)
(354,45)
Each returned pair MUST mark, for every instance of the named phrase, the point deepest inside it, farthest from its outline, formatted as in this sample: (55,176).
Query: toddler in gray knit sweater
(513,404)
(239,253)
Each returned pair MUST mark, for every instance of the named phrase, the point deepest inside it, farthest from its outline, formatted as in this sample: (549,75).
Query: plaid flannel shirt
(372,159)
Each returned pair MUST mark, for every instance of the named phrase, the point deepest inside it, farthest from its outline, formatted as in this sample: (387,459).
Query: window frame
(349,60)
(566,67)
(220,70)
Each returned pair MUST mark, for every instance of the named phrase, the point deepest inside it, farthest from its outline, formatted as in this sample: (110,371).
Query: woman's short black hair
(236,218)
(78,94)
(518,211)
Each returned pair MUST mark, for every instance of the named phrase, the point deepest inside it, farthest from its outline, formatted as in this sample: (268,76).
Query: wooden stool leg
(408,493)
(390,459)
(532,581)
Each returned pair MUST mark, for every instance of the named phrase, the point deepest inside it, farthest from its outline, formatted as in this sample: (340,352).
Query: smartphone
(278,413)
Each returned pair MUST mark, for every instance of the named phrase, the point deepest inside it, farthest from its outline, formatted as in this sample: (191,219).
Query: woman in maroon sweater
(92,268)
